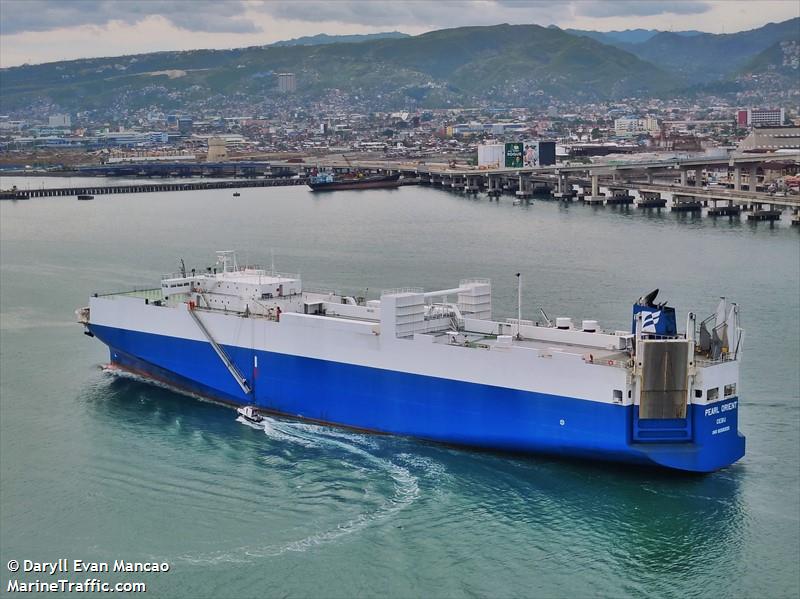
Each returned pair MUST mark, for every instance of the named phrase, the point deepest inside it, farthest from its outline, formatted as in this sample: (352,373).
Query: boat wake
(246,422)
(362,453)
(119,372)
(403,470)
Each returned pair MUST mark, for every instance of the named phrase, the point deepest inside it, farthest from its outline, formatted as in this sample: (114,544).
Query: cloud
(430,14)
(620,8)
(19,16)
(47,30)
(450,13)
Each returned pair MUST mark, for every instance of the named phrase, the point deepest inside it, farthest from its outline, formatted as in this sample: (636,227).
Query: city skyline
(33,31)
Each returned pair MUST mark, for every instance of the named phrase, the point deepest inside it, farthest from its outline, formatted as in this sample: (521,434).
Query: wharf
(24,194)
(653,184)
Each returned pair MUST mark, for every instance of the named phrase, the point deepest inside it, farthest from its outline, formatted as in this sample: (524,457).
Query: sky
(36,31)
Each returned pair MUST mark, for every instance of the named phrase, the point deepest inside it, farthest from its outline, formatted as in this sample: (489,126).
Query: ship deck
(463,338)
(542,347)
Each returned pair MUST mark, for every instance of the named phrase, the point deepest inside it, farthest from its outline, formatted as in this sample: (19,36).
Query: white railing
(463,282)
(402,290)
(145,293)
(246,270)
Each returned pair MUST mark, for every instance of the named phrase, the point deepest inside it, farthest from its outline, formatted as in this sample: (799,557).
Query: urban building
(217,150)
(60,120)
(185,124)
(286,83)
(771,139)
(474,128)
(761,117)
(630,126)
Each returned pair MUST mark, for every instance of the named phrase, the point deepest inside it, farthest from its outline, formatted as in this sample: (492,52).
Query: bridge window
(730,389)
(712,394)
(617,396)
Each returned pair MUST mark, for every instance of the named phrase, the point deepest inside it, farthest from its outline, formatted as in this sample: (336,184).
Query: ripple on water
(367,488)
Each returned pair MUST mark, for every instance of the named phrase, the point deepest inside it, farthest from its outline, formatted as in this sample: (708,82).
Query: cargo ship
(435,365)
(329,182)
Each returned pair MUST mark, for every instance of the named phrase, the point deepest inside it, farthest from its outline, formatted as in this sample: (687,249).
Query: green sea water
(100,468)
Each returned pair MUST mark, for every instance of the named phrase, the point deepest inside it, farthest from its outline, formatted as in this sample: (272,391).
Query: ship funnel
(656,319)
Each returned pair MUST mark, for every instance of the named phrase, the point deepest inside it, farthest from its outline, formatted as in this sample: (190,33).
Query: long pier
(640,184)
(677,198)
(23,194)
(621,183)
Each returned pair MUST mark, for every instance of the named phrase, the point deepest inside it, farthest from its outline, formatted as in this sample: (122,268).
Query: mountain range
(512,64)
(324,38)
(708,54)
(627,36)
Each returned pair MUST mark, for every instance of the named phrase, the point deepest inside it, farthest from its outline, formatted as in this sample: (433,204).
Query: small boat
(236,194)
(250,414)
(85,196)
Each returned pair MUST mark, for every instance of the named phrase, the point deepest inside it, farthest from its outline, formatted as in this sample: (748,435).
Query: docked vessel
(14,194)
(329,182)
(436,366)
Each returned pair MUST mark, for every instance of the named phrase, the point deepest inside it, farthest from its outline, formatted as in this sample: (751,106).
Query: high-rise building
(761,117)
(286,83)
(741,118)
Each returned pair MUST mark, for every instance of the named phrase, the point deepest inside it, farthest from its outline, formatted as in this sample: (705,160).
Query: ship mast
(519,304)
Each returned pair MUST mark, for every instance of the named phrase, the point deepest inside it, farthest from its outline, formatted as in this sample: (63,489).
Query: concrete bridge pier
(563,190)
(737,178)
(596,197)
(752,180)
(493,187)
(524,191)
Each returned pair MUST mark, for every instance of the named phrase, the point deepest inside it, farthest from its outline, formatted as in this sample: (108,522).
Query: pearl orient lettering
(726,407)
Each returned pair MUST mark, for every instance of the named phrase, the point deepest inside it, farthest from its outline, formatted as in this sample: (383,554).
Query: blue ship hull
(425,407)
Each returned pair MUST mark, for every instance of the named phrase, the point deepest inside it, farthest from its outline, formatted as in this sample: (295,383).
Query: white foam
(246,422)
(406,489)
